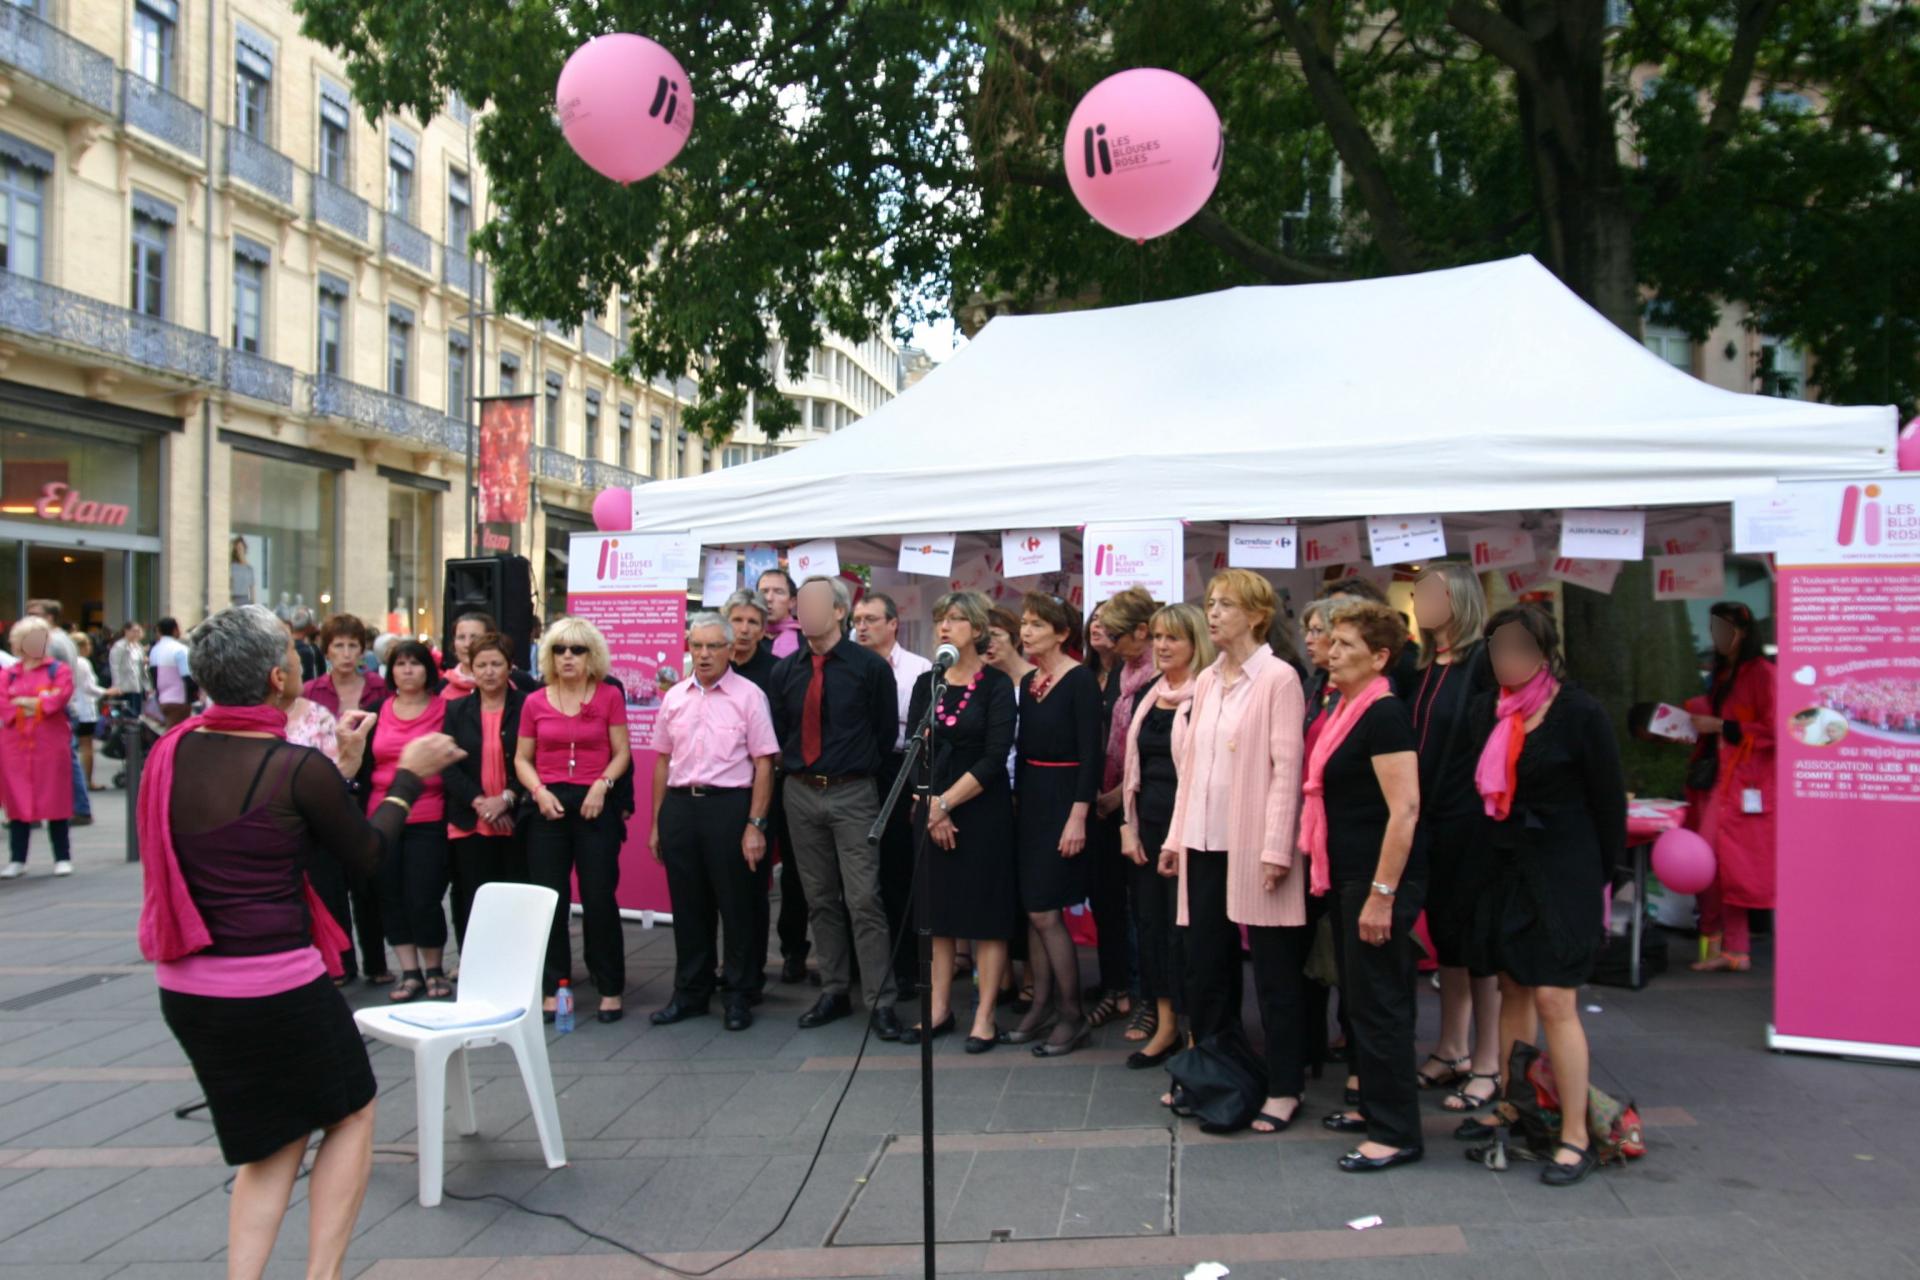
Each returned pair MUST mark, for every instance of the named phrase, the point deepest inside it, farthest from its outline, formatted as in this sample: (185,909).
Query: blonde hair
(1467,602)
(1187,622)
(575,631)
(27,626)
(1126,612)
(1253,593)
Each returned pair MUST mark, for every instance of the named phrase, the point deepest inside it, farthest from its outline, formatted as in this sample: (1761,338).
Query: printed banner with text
(1121,556)
(506,436)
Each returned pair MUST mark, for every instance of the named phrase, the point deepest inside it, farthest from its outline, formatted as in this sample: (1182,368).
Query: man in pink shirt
(712,784)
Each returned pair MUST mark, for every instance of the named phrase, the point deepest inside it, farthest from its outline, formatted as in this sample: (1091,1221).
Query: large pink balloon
(1143,151)
(626,106)
(1684,861)
(1909,454)
(613,511)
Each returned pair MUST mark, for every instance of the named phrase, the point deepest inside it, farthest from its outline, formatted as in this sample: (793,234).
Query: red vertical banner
(506,439)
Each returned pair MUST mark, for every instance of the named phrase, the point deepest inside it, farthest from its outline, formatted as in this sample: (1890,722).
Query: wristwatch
(942,802)
(758,824)
(1384,890)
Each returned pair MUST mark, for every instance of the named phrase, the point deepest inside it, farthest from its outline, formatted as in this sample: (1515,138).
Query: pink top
(1259,759)
(321,690)
(1214,732)
(573,748)
(713,736)
(240,977)
(36,745)
(390,737)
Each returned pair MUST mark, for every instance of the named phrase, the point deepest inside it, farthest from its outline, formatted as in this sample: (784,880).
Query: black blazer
(462,781)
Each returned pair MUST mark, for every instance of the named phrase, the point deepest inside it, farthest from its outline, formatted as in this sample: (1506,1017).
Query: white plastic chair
(500,969)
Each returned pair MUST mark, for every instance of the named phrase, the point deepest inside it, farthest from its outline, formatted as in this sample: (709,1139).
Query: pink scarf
(1313,812)
(784,636)
(170,925)
(1133,677)
(1500,758)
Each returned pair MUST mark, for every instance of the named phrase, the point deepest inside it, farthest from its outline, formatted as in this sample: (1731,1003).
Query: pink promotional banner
(1848,706)
(645,623)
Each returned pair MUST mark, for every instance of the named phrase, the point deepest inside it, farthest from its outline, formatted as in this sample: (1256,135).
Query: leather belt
(701,793)
(821,781)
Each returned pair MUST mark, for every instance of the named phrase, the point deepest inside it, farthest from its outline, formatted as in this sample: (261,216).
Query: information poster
(644,618)
(1122,556)
(1848,752)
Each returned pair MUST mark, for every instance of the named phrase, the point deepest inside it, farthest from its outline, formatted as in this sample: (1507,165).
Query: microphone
(943,657)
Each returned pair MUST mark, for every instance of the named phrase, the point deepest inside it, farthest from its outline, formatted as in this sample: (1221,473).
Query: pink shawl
(1313,812)
(1133,676)
(1500,758)
(1130,773)
(170,925)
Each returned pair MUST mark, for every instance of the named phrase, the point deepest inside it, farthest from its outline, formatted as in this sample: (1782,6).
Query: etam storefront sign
(61,502)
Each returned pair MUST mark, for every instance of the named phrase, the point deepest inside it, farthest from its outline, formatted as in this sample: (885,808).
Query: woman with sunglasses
(572,752)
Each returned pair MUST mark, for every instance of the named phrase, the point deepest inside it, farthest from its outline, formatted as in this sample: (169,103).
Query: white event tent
(1478,389)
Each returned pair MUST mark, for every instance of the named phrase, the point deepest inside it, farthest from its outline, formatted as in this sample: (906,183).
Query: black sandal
(438,987)
(1279,1125)
(1458,1069)
(412,985)
(1107,1010)
(1146,1020)
(1565,1175)
(1468,1104)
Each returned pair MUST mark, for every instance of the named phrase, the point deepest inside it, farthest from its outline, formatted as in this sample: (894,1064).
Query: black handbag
(1220,1082)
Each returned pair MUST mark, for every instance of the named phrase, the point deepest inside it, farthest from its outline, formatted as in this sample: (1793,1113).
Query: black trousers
(354,903)
(1107,895)
(20,834)
(1156,906)
(1214,983)
(1377,995)
(413,884)
(560,849)
(482,860)
(708,878)
(896,878)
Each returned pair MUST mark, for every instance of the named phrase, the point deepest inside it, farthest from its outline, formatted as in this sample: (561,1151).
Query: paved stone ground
(688,1142)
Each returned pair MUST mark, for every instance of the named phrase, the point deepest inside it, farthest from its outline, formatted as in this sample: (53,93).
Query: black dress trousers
(710,881)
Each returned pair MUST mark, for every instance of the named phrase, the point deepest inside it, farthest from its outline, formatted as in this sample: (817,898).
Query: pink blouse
(574,748)
(390,737)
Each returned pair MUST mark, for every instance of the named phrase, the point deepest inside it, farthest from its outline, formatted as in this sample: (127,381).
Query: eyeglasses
(1316,631)
(573,650)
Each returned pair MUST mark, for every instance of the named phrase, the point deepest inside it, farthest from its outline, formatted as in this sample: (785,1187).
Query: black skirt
(273,1068)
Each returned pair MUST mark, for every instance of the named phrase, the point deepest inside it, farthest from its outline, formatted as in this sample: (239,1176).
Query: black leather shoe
(1141,1060)
(826,1009)
(886,1023)
(1341,1122)
(673,1011)
(977,1045)
(1354,1162)
(609,1015)
(739,1016)
(793,969)
(1565,1175)
(912,1035)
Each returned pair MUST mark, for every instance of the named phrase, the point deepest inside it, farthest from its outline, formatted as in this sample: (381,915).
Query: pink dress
(36,753)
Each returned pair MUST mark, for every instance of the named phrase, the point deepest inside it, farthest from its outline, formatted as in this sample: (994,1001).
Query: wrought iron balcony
(606,475)
(259,166)
(39,310)
(599,342)
(564,332)
(456,435)
(396,416)
(339,208)
(455,263)
(556,464)
(248,375)
(158,114)
(51,56)
(408,243)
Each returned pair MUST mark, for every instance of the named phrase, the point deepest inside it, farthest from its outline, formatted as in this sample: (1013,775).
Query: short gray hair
(235,651)
(748,599)
(842,594)
(709,619)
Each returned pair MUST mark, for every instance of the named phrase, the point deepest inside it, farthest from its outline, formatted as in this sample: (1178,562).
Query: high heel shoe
(1038,1029)
(1079,1040)
(1141,1060)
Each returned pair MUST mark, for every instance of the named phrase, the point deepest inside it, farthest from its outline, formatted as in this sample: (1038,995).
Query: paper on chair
(453,1017)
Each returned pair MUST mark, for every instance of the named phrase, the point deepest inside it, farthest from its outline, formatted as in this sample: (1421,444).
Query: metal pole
(136,761)
(476,351)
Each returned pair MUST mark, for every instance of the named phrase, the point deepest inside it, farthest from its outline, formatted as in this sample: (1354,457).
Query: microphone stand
(919,742)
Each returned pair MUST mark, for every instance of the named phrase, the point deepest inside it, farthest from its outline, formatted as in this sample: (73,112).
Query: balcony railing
(32,307)
(599,342)
(605,475)
(259,165)
(158,114)
(554,464)
(401,418)
(248,375)
(408,243)
(564,332)
(455,263)
(339,208)
(56,59)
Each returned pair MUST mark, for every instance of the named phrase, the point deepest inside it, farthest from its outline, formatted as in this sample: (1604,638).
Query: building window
(400,173)
(459,209)
(252,83)
(509,374)
(553,411)
(593,426)
(626,436)
(458,390)
(411,523)
(1670,344)
(250,262)
(399,348)
(1783,369)
(819,415)
(286,513)
(20,217)
(152,231)
(153,26)
(333,323)
(336,135)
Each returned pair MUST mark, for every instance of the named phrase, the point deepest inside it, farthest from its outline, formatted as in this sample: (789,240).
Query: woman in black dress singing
(1556,824)
(971,891)
(1060,753)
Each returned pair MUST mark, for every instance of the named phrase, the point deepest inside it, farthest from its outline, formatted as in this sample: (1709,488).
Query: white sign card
(613,562)
(1399,539)
(1122,556)
(758,560)
(1791,516)
(975,573)
(1689,537)
(1603,535)
(1337,542)
(1380,576)
(1700,576)
(930,554)
(1263,546)
(817,559)
(1594,575)
(1026,552)
(1502,549)
(721,579)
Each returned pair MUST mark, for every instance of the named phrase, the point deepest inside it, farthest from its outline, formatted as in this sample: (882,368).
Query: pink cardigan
(1265,806)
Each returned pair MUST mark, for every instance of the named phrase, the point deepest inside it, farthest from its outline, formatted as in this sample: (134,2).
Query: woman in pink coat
(1737,815)
(36,760)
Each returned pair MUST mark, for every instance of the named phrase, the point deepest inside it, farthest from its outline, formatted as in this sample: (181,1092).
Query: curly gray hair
(235,652)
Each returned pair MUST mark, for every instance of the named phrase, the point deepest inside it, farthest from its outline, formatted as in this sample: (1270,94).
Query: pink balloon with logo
(1684,861)
(626,106)
(1143,152)
(1909,454)
(613,510)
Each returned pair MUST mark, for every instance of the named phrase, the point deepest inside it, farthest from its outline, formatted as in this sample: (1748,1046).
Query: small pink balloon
(1909,455)
(626,106)
(613,511)
(1684,861)
(1143,152)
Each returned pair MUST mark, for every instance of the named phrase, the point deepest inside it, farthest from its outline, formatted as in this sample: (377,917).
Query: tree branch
(1499,35)
(1269,264)
(1736,78)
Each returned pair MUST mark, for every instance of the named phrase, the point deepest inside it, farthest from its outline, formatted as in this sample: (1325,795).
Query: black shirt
(1448,753)
(759,668)
(1158,781)
(1356,807)
(859,709)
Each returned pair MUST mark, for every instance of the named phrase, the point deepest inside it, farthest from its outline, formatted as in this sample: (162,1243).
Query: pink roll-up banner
(625,585)
(1847,715)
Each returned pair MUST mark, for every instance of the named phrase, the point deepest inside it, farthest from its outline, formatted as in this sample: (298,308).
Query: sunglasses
(573,650)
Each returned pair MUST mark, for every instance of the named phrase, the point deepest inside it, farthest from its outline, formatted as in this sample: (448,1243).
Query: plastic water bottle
(563,1008)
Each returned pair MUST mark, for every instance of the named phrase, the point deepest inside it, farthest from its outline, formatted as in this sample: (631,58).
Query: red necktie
(810,715)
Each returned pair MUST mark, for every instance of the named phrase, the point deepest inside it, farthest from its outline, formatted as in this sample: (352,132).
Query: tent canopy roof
(1481,388)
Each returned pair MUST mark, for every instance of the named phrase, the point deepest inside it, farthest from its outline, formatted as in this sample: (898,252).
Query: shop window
(286,512)
(411,561)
